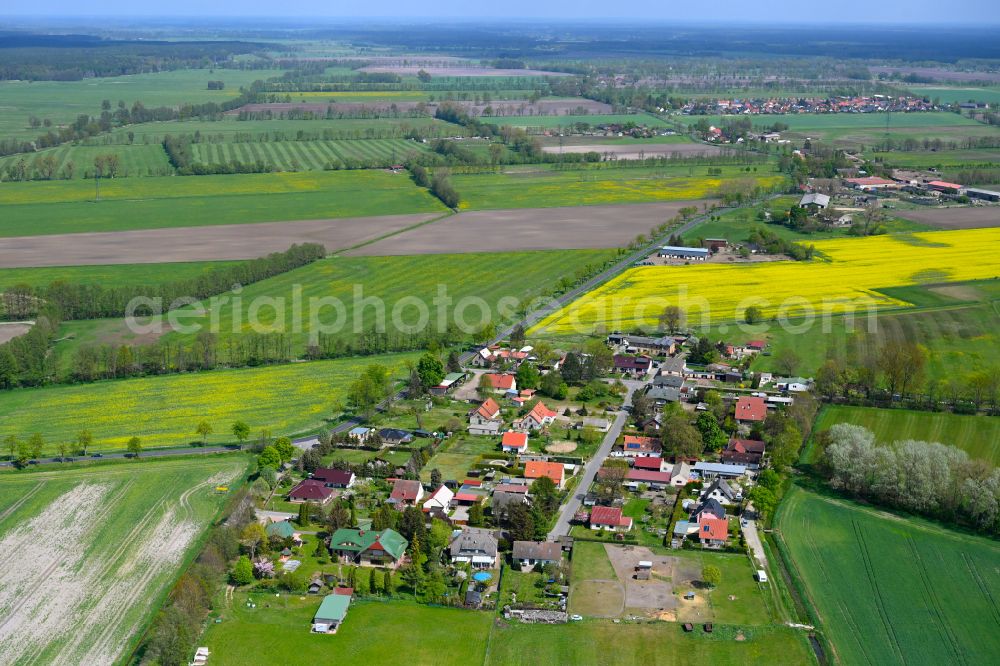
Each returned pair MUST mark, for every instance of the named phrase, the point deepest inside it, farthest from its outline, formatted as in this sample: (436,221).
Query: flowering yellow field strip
(843,280)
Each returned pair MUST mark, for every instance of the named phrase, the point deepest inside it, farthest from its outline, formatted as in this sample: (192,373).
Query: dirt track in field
(956,218)
(9,331)
(580,227)
(231,241)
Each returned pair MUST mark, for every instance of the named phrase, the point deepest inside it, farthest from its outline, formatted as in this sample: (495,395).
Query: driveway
(753,540)
(574,501)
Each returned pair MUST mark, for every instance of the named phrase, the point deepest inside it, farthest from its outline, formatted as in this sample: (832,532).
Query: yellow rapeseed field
(842,279)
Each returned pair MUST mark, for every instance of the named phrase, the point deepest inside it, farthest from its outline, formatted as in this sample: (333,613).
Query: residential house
(633,366)
(536,469)
(485,419)
(502,502)
(514,442)
(528,554)
(439,500)
(395,436)
(814,201)
(539,417)
(475,545)
(749,452)
(708,470)
(756,346)
(597,423)
(655,480)
(668,381)
(635,446)
(709,507)
(674,366)
(609,518)
(661,395)
(713,532)
(283,530)
(369,548)
(641,344)
(449,383)
(334,478)
(499,383)
(680,474)
(310,490)
(793,384)
(331,614)
(750,409)
(722,492)
(360,434)
(406,492)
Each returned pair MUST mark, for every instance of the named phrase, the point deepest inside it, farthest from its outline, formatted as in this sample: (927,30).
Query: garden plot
(105,543)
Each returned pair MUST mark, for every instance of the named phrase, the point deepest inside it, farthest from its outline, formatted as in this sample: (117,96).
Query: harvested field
(9,331)
(637,151)
(581,227)
(243,241)
(955,218)
(103,543)
(499,108)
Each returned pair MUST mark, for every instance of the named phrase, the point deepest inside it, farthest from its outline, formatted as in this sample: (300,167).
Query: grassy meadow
(310,155)
(110,275)
(568,122)
(956,94)
(979,436)
(104,543)
(538,187)
(163,411)
(892,590)
(62,101)
(56,207)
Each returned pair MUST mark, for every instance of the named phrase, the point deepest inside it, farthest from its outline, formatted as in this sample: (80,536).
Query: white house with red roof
(634,446)
(486,419)
(406,492)
(499,383)
(750,409)
(311,490)
(536,469)
(514,442)
(539,417)
(609,518)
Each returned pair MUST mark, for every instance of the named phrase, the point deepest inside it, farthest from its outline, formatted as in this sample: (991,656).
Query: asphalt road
(575,500)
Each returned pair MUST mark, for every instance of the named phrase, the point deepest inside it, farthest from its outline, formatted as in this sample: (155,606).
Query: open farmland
(845,279)
(893,590)
(638,151)
(314,155)
(204,243)
(495,111)
(107,275)
(135,160)
(956,218)
(546,188)
(979,436)
(62,101)
(952,95)
(103,544)
(571,121)
(58,207)
(399,282)
(530,229)
(163,411)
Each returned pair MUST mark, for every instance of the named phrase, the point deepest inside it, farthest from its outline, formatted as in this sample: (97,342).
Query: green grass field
(278,630)
(163,411)
(130,203)
(951,95)
(393,279)
(569,122)
(310,155)
(109,275)
(62,101)
(940,159)
(979,436)
(543,188)
(103,542)
(892,590)
(136,160)
(456,457)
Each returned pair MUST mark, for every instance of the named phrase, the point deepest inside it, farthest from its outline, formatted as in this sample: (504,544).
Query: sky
(758,11)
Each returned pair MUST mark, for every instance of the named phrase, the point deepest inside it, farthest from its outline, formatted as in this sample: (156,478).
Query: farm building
(674,252)
(650,463)
(450,381)
(655,480)
(642,344)
(709,470)
(331,614)
(945,187)
(872,183)
(814,200)
(383,548)
(716,244)
(984,195)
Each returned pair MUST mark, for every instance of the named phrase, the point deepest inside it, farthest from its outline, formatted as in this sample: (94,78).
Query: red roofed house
(713,532)
(654,480)
(310,490)
(334,478)
(538,417)
(609,518)
(536,469)
(634,446)
(750,409)
(650,463)
(485,419)
(514,442)
(500,383)
(634,366)
(942,186)
(510,488)
(756,345)
(406,493)
(747,452)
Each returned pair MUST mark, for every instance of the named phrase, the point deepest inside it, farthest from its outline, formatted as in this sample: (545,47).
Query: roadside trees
(134,446)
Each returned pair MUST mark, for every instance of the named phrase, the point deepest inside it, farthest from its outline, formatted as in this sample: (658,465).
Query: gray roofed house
(814,199)
(529,553)
(661,395)
(502,502)
(674,365)
(720,491)
(711,506)
(671,381)
(475,545)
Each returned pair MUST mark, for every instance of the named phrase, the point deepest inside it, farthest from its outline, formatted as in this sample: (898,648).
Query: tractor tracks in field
(24,498)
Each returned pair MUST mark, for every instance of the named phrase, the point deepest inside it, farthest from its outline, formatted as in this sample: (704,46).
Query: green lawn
(590,562)
(163,411)
(892,590)
(457,455)
(542,188)
(115,535)
(979,436)
(601,642)
(55,207)
(109,275)
(277,632)
(62,101)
